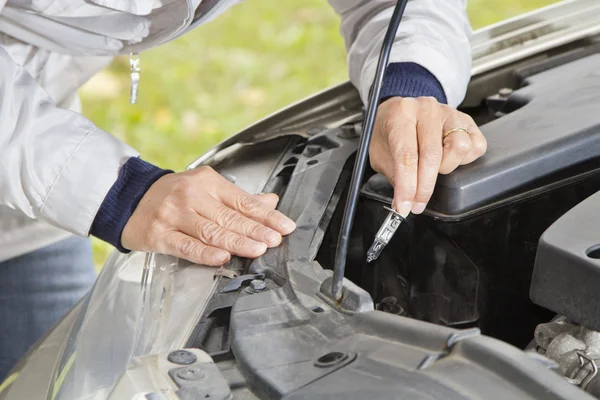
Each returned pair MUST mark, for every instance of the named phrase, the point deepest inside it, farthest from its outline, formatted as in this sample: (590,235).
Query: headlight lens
(131,311)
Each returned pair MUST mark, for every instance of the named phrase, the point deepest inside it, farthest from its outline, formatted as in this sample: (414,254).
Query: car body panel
(164,320)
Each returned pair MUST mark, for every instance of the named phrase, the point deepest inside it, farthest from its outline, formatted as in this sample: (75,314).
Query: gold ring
(455,130)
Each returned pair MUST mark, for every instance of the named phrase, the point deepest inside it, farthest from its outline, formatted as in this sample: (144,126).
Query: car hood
(117,342)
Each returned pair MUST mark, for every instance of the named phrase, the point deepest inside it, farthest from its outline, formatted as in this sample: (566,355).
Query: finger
(478,141)
(183,246)
(234,221)
(429,131)
(456,145)
(402,138)
(268,199)
(380,157)
(214,235)
(237,199)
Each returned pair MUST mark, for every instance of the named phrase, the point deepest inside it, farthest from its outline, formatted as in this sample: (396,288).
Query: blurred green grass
(255,59)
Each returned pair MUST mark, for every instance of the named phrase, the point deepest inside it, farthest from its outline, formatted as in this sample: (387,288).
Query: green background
(258,57)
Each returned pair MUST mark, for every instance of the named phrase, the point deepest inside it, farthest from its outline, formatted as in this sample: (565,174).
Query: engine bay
(463,267)
(468,261)
(465,264)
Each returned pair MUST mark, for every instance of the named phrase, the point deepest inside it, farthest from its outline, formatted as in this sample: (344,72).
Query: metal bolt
(312,150)
(182,357)
(347,132)
(257,285)
(191,374)
(505,92)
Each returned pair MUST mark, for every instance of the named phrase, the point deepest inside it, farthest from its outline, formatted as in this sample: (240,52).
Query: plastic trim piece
(566,276)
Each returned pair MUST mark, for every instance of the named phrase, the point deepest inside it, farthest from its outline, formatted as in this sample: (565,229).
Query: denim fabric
(36,290)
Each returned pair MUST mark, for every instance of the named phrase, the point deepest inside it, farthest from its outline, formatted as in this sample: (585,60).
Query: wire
(363,152)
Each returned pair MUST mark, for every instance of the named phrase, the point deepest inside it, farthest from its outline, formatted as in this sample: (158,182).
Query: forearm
(54,164)
(433,34)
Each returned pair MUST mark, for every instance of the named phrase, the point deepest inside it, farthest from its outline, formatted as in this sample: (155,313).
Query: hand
(202,217)
(409,149)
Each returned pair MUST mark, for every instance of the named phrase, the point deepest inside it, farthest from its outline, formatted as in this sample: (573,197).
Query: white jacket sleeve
(433,33)
(54,164)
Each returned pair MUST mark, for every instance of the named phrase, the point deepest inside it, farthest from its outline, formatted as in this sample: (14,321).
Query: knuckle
(246,227)
(208,233)
(407,158)
(183,188)
(480,147)
(450,112)
(462,146)
(185,246)
(205,170)
(248,205)
(397,123)
(225,217)
(239,242)
(272,215)
(428,102)
(255,230)
(394,104)
(163,213)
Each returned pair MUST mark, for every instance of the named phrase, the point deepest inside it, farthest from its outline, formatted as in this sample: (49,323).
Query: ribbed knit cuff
(407,79)
(135,178)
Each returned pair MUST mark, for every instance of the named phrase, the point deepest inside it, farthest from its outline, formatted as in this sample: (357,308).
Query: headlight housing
(131,311)
(141,304)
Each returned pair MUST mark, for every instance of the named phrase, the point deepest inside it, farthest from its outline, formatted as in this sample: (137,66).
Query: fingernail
(221,256)
(288,226)
(418,208)
(272,237)
(404,208)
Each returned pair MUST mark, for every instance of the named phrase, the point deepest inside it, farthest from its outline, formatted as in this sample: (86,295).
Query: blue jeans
(36,290)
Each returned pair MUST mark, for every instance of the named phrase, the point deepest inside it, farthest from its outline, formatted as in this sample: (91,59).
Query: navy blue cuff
(135,178)
(408,79)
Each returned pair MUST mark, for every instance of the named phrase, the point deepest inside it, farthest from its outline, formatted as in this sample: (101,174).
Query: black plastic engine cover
(566,276)
(553,129)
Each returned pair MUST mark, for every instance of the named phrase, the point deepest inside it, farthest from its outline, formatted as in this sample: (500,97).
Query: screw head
(347,132)
(182,357)
(191,374)
(258,285)
(312,150)
(505,92)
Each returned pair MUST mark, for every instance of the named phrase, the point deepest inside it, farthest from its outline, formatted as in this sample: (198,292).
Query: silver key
(384,235)
(134,74)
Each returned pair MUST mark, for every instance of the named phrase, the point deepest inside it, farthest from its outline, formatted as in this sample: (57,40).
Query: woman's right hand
(200,216)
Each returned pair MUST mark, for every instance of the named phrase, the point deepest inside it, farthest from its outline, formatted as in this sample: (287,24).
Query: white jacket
(56,166)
